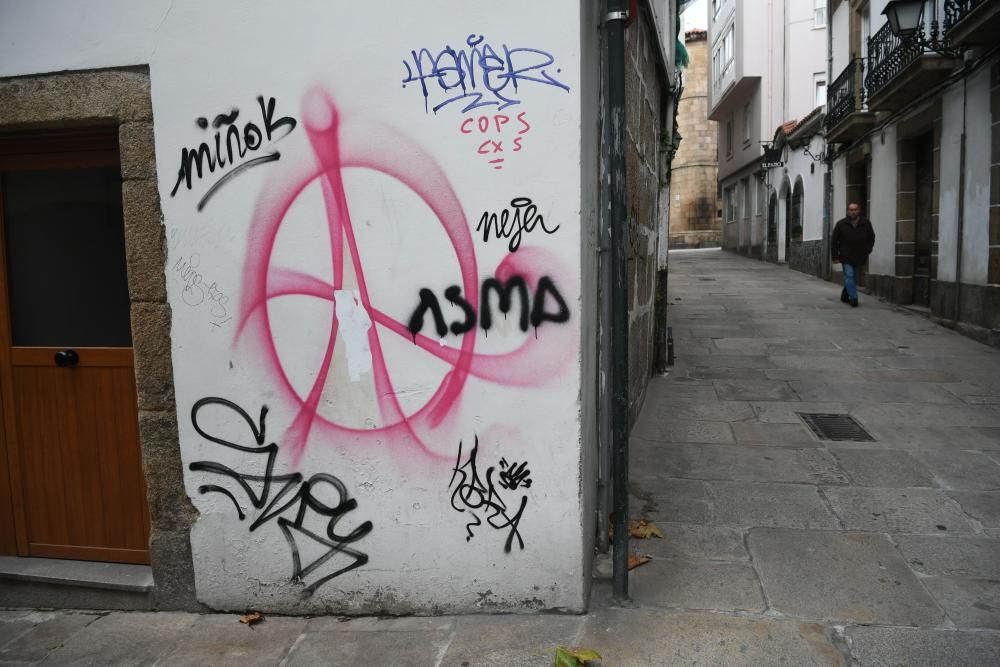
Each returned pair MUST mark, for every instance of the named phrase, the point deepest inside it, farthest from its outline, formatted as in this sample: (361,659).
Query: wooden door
(66,362)
(923,232)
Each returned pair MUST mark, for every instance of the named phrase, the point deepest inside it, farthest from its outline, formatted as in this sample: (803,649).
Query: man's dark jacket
(852,244)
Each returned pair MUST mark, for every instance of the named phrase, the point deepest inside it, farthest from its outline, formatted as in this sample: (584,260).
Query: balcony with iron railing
(847,116)
(900,69)
(971,22)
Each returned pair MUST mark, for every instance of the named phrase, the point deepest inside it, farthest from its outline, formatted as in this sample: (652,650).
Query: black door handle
(67,358)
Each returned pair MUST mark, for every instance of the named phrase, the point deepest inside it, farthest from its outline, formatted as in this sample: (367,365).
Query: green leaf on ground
(574,656)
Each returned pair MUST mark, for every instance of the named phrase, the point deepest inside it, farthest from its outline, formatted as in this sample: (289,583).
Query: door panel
(66,363)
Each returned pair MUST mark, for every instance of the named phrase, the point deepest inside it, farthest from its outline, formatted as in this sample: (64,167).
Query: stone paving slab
(932,437)
(897,510)
(969,603)
(751,464)
(711,411)
(908,414)
(50,631)
(872,392)
(759,390)
(947,554)
(111,640)
(692,541)
(883,467)
(786,412)
(348,649)
(681,500)
(909,376)
(223,640)
(962,470)
(837,576)
(748,504)
(639,637)
(510,640)
(984,507)
(693,584)
(13,624)
(775,435)
(682,430)
(922,647)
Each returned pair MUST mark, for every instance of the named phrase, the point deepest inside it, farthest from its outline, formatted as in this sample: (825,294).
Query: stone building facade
(694,210)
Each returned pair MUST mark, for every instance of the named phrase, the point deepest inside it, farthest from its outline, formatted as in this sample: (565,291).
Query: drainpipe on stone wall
(961,207)
(615,20)
(604,398)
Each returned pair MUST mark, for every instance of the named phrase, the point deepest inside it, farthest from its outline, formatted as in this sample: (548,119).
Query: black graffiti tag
(293,491)
(472,493)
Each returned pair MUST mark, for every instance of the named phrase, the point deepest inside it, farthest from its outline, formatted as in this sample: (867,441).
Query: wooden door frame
(119,97)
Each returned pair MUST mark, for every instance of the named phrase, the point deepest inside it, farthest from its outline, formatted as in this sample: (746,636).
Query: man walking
(853,240)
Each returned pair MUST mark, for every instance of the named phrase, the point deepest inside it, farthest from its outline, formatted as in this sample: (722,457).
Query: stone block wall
(644,103)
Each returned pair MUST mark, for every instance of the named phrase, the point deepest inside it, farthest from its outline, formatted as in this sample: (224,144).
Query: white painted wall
(798,165)
(258,262)
(975,231)
(840,34)
(807,47)
(948,187)
(882,261)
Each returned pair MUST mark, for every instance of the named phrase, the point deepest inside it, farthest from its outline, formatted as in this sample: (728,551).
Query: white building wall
(293,287)
(883,203)
(840,34)
(948,186)
(975,231)
(807,46)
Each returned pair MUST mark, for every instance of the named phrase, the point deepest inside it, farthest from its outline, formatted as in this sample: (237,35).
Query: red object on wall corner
(633,12)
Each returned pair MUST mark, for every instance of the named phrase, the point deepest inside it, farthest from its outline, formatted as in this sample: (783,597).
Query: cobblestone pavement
(778,548)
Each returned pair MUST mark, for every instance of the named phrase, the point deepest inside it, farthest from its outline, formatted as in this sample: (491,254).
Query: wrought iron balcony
(900,69)
(968,22)
(847,117)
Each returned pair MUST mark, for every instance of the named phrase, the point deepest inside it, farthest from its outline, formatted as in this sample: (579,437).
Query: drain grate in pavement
(837,427)
(708,280)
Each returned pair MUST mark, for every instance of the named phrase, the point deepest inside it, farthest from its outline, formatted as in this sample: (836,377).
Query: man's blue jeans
(850,280)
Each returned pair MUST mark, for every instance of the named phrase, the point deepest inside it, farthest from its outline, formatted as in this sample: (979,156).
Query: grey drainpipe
(604,399)
(961,207)
(615,20)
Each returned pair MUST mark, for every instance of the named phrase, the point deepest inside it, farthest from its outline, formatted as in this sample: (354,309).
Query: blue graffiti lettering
(481,75)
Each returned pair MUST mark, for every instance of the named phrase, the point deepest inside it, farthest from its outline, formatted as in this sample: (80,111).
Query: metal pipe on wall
(615,21)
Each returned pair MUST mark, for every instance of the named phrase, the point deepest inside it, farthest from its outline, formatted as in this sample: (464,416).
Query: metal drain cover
(837,427)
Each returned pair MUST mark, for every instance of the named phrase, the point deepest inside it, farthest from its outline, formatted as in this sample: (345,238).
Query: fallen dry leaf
(635,560)
(252,618)
(643,529)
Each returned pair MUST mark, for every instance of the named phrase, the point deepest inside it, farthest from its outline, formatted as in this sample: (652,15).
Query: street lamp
(904,16)
(906,19)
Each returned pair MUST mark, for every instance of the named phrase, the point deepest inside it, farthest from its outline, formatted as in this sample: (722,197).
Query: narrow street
(891,546)
(778,547)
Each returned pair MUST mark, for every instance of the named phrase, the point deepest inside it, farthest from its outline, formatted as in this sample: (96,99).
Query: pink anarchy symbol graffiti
(337,145)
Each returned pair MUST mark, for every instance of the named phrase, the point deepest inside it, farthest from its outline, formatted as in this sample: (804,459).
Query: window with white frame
(747,120)
(729,138)
(819,85)
(819,13)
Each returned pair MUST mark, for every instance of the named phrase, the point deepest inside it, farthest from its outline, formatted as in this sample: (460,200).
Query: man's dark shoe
(844,297)
(854,303)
